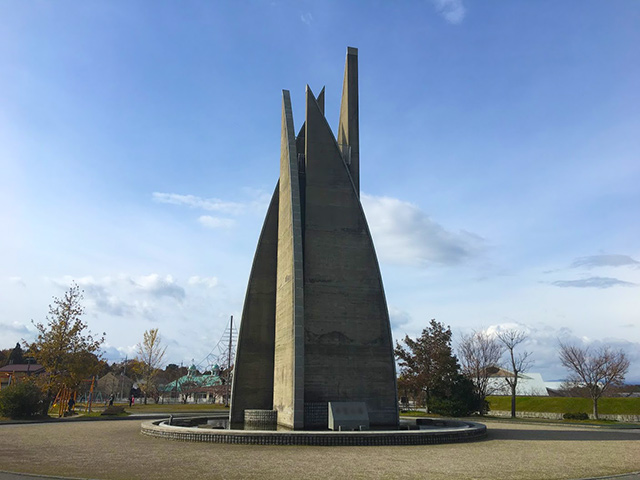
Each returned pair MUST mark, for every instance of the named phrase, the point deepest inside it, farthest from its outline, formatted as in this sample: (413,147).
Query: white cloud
(494,330)
(120,295)
(209,282)
(158,286)
(398,318)
(543,343)
(593,282)
(306,18)
(215,222)
(17,281)
(191,312)
(404,234)
(15,328)
(257,202)
(604,261)
(453,11)
(212,204)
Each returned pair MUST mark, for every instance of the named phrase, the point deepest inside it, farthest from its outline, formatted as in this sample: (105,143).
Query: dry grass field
(116,450)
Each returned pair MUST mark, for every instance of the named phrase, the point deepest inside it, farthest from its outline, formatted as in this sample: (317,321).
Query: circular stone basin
(424,431)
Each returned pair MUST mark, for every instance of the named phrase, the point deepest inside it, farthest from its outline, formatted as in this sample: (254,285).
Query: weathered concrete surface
(348,126)
(288,385)
(348,346)
(253,371)
(332,333)
(117,450)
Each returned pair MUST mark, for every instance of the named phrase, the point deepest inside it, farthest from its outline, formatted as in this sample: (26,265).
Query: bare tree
(596,370)
(149,360)
(479,352)
(518,363)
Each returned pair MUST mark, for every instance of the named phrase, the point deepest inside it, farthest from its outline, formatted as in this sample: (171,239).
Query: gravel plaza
(117,450)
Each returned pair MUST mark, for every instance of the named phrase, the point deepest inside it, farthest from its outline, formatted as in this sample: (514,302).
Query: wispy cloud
(306,18)
(209,282)
(127,295)
(17,281)
(16,328)
(215,222)
(257,202)
(404,234)
(543,341)
(212,204)
(398,318)
(604,261)
(593,282)
(158,286)
(453,11)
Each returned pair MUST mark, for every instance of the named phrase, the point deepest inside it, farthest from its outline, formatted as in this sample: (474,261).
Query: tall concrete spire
(315,311)
(348,126)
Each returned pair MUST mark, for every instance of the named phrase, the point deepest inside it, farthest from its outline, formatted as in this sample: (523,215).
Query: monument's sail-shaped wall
(315,325)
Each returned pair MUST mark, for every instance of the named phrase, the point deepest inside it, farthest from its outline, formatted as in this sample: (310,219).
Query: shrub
(576,416)
(458,399)
(113,410)
(19,400)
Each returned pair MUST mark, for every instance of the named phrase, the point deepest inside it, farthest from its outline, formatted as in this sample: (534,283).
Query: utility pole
(229,362)
(122,375)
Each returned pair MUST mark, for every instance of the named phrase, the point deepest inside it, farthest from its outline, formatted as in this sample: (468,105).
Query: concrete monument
(315,325)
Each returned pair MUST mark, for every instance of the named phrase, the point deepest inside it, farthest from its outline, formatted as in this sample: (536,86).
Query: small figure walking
(131,400)
(72,402)
(111,400)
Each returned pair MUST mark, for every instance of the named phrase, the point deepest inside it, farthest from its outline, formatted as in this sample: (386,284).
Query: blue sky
(139,145)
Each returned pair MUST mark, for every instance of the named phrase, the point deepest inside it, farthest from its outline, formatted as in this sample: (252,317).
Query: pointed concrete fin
(320,101)
(308,91)
(253,372)
(323,158)
(347,328)
(288,373)
(348,128)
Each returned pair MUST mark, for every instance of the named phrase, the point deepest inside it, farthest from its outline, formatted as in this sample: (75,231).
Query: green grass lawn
(152,407)
(173,407)
(611,406)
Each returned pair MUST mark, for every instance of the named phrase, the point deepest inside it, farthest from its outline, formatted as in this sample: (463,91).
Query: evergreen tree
(16,357)
(428,362)
(428,365)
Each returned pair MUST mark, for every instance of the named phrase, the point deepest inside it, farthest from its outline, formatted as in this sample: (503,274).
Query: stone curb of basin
(460,431)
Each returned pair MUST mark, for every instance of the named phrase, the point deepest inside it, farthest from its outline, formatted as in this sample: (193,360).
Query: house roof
(113,376)
(22,368)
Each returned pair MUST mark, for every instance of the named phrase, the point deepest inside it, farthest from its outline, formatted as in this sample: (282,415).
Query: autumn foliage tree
(64,347)
(148,362)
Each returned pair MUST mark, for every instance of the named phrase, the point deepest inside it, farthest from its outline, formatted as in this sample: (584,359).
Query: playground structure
(61,401)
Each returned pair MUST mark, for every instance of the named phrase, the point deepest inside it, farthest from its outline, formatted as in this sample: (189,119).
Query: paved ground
(116,450)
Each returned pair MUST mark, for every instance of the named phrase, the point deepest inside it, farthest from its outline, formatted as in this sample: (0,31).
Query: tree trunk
(426,400)
(595,407)
(513,401)
(46,403)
